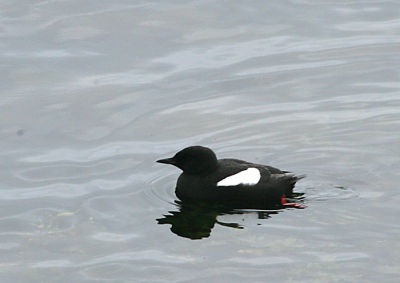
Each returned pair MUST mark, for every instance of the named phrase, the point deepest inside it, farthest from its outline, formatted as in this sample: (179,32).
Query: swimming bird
(235,182)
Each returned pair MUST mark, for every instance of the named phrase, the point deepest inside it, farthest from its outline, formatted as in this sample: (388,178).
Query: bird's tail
(290,179)
(296,178)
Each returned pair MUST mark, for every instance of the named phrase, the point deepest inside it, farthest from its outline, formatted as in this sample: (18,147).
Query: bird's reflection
(195,220)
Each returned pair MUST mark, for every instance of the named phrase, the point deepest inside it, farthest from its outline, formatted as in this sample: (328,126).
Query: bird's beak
(167,161)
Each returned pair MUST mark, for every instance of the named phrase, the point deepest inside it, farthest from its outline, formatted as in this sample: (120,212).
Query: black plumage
(202,171)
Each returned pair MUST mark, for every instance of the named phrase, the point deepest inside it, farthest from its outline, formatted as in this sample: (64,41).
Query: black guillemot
(229,181)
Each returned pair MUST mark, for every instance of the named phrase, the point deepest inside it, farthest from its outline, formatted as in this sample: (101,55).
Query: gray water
(93,92)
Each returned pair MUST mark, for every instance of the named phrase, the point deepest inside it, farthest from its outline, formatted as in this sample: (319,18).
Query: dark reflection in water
(196,220)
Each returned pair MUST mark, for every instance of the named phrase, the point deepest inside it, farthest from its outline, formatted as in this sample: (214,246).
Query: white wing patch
(250,176)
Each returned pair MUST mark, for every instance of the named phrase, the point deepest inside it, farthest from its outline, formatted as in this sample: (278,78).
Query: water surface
(94,92)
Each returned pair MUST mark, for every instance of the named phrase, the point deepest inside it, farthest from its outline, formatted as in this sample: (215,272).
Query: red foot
(285,203)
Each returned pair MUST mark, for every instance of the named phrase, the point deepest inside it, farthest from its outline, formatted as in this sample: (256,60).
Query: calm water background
(92,92)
